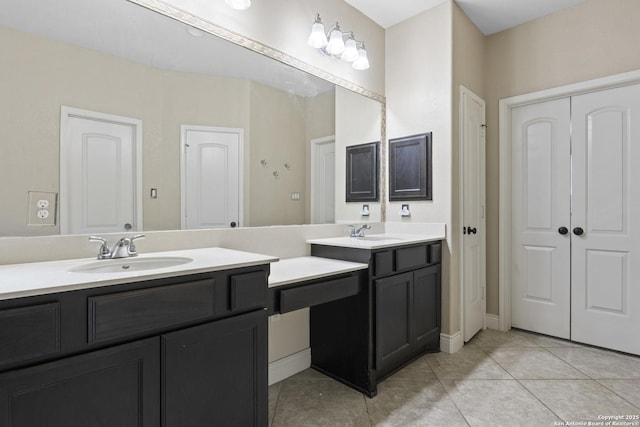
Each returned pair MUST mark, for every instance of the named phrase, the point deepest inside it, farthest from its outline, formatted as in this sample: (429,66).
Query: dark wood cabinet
(216,374)
(395,318)
(407,317)
(116,387)
(187,350)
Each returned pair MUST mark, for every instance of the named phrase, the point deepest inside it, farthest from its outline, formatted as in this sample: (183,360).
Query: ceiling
(490,16)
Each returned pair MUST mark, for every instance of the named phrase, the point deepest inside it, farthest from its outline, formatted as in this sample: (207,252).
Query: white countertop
(37,278)
(294,270)
(377,241)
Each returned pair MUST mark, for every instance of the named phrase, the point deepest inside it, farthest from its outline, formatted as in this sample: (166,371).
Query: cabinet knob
(578,231)
(563,230)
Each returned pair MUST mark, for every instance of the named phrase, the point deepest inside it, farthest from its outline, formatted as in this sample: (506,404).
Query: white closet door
(605,305)
(541,188)
(211,186)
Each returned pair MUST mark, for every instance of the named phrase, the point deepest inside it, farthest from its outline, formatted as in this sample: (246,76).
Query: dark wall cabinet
(182,351)
(396,317)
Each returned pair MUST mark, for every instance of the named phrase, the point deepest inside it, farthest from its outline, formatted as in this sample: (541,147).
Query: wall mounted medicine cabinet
(410,166)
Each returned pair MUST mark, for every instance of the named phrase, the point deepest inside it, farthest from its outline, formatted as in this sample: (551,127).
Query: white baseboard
(492,321)
(451,343)
(290,365)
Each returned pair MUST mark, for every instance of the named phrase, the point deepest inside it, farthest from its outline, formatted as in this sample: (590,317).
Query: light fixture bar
(338,44)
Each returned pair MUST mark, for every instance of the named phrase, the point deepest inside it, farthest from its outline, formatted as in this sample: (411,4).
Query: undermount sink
(122,265)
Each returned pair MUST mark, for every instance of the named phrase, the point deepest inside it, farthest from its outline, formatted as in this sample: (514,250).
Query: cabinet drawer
(383,263)
(129,313)
(413,257)
(29,332)
(248,291)
(434,253)
(318,293)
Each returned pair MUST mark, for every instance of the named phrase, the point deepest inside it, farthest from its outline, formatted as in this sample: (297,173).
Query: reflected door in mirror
(98,163)
(210,178)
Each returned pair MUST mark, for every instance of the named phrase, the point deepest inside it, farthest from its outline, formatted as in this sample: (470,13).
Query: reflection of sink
(129,264)
(378,238)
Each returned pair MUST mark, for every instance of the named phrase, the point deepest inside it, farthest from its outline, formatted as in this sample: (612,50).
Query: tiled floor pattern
(498,379)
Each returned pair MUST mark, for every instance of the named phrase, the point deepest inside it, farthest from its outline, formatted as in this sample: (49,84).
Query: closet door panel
(605,306)
(541,187)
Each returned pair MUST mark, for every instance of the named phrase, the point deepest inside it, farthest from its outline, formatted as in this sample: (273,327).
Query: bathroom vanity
(394,319)
(185,345)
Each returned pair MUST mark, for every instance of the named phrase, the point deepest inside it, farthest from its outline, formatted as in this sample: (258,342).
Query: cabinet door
(216,374)
(394,315)
(426,308)
(117,387)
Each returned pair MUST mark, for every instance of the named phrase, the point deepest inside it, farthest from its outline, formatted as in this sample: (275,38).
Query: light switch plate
(42,208)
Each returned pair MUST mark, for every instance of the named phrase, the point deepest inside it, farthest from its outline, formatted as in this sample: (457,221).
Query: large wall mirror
(116,58)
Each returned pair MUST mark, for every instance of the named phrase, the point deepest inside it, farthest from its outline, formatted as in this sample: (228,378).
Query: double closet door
(576,216)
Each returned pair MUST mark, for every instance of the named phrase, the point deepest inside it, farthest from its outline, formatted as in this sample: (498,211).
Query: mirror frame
(240,40)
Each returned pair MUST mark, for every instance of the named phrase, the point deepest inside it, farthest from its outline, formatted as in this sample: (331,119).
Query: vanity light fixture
(239,4)
(339,44)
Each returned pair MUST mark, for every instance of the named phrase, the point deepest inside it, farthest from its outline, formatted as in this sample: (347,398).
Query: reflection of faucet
(358,232)
(123,249)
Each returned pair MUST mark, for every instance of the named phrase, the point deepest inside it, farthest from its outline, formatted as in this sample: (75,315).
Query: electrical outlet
(42,208)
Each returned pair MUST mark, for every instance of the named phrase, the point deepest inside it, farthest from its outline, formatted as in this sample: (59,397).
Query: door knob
(578,231)
(471,230)
(563,230)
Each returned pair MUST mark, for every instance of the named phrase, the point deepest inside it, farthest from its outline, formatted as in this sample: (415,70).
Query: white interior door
(211,177)
(472,139)
(100,182)
(323,166)
(605,306)
(541,189)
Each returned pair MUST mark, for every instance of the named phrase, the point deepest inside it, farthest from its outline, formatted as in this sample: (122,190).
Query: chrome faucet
(358,232)
(123,249)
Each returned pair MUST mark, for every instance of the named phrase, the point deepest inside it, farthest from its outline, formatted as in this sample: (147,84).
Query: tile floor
(498,379)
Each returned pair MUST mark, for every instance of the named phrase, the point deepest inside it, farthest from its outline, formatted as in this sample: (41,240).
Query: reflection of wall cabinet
(161,352)
(396,317)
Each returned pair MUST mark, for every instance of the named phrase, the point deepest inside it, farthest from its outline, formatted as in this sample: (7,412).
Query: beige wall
(57,74)
(285,25)
(418,91)
(595,39)
(278,136)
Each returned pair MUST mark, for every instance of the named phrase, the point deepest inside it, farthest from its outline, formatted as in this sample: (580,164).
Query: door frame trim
(504,142)
(183,173)
(68,112)
(314,143)
(464,91)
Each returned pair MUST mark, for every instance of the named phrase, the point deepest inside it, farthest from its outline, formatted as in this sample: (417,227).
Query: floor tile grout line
(541,402)
(452,399)
(617,394)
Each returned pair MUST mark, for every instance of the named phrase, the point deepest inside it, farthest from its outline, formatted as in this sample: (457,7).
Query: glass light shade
(350,53)
(317,38)
(239,4)
(336,44)
(362,62)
